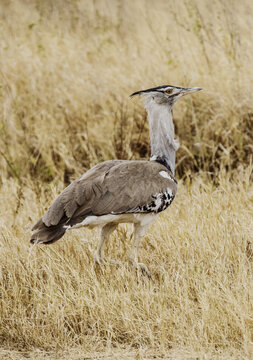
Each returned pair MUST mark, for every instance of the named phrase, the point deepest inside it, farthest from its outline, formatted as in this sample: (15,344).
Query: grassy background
(66,71)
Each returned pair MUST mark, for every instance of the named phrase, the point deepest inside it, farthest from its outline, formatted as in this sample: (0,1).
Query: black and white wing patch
(161,201)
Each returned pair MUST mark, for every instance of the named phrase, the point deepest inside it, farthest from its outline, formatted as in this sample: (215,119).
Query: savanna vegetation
(67,68)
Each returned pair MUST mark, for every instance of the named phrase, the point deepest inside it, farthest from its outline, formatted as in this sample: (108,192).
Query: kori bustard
(122,191)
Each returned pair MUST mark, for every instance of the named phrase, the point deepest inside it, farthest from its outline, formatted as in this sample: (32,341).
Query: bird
(122,191)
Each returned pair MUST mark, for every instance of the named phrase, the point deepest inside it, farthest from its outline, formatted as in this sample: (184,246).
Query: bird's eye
(169,91)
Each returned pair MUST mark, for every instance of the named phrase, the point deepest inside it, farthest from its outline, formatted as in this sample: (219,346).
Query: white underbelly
(143,219)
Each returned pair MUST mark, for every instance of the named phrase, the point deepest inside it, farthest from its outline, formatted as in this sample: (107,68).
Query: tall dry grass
(199,302)
(66,70)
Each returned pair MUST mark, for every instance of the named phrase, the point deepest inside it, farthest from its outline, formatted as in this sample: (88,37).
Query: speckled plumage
(112,187)
(120,190)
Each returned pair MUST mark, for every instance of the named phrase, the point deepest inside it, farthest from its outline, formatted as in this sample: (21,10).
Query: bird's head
(165,94)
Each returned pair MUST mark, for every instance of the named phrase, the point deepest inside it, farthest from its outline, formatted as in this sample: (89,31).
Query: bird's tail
(47,234)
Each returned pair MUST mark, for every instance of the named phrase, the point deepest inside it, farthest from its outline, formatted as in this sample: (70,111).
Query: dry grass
(200,300)
(66,70)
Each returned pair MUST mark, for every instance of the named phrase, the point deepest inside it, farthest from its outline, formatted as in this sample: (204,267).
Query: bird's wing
(112,187)
(80,193)
(134,186)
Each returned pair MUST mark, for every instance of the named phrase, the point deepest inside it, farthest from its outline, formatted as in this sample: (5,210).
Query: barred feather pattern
(160,203)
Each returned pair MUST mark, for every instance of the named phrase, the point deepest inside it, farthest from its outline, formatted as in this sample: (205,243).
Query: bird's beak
(179,91)
(185,91)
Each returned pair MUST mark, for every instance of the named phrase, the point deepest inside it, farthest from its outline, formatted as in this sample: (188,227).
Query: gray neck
(161,128)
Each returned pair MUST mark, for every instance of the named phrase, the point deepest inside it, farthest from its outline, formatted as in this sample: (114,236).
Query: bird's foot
(144,270)
(140,266)
(99,260)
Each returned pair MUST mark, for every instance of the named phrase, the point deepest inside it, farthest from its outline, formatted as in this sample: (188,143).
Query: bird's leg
(139,232)
(105,232)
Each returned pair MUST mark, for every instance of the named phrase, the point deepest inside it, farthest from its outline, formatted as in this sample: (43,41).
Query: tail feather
(39,225)
(47,234)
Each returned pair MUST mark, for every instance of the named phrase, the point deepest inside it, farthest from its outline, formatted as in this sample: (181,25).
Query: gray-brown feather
(112,187)
(131,184)
(80,193)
